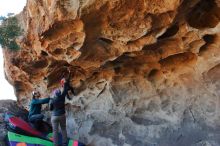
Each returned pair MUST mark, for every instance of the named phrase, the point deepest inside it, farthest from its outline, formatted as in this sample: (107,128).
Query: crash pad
(19,124)
(15,139)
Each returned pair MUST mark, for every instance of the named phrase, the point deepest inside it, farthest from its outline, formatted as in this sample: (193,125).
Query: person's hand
(63,81)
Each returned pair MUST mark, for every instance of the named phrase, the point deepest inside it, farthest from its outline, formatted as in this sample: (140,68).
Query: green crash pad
(70,143)
(18,139)
(14,139)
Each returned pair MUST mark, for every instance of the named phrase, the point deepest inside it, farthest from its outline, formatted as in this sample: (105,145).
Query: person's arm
(41,101)
(67,87)
(51,104)
(65,90)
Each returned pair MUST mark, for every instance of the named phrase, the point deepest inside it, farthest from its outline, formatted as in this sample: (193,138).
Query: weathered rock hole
(15,61)
(117,69)
(202,49)
(152,73)
(204,15)
(43,53)
(170,32)
(40,63)
(209,38)
(58,51)
(147,122)
(55,27)
(106,40)
(56,63)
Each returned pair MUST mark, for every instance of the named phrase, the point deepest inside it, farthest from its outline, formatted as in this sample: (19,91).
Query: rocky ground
(146,72)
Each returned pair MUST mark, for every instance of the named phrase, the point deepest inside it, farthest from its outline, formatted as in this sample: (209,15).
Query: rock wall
(146,72)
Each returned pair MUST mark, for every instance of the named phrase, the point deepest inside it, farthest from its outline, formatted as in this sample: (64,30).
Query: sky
(8,6)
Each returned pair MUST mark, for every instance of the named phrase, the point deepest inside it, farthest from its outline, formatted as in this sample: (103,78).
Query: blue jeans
(37,117)
(36,121)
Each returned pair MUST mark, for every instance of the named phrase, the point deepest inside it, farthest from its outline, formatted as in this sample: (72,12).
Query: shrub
(9,31)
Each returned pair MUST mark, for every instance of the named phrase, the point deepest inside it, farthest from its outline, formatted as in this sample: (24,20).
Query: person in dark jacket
(35,116)
(57,106)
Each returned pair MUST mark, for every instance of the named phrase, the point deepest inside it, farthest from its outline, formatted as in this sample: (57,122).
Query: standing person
(35,116)
(57,105)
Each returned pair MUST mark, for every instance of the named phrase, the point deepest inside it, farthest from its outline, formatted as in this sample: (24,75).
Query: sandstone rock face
(146,72)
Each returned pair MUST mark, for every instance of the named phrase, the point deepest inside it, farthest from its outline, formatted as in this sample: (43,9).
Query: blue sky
(8,6)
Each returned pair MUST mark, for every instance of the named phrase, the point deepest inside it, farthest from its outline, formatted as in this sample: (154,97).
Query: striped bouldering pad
(70,143)
(21,126)
(75,143)
(15,139)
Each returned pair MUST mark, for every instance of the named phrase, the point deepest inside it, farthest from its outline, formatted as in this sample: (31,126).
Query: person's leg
(37,117)
(63,129)
(36,120)
(46,127)
(55,121)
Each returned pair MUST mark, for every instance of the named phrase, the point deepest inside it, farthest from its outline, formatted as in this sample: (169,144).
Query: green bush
(9,30)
